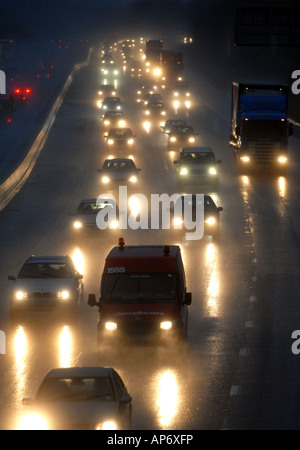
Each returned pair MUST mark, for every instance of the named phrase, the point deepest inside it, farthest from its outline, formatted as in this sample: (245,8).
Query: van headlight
(166,325)
(111,326)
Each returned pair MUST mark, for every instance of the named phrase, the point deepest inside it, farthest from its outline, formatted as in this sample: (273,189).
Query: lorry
(143,296)
(259,126)
(172,64)
(153,55)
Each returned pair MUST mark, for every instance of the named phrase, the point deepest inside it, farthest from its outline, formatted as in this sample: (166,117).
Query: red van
(143,295)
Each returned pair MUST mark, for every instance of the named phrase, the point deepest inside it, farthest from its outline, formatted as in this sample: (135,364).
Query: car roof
(111,99)
(120,160)
(196,150)
(88,371)
(116,129)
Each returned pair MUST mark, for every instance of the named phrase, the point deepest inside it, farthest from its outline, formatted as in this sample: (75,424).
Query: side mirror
(188,298)
(126,398)
(11,278)
(92,300)
(220,208)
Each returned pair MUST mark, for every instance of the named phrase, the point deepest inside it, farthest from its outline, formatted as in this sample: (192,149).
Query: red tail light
(28,91)
(17,91)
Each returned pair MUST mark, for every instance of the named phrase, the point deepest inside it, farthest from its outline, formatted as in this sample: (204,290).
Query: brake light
(28,91)
(17,91)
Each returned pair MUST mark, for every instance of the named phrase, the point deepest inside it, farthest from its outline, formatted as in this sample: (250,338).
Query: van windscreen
(136,288)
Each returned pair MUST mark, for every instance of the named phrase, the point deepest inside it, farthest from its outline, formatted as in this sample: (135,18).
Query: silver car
(46,283)
(79,398)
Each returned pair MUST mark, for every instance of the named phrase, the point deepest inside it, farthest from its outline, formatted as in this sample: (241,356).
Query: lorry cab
(143,295)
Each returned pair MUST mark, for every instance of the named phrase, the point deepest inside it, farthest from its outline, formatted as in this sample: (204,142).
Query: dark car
(106,90)
(120,138)
(181,136)
(114,119)
(119,171)
(185,214)
(171,123)
(79,398)
(111,104)
(197,165)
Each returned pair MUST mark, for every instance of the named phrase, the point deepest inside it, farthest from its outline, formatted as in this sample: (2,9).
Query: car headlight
(63,295)
(77,225)
(166,325)
(100,92)
(212,171)
(282,159)
(187,104)
(211,221)
(111,326)
(133,179)
(106,122)
(163,113)
(173,139)
(110,141)
(121,123)
(183,171)
(130,141)
(21,295)
(147,112)
(106,72)
(105,180)
(178,222)
(191,139)
(118,107)
(175,94)
(116,72)
(32,422)
(104,107)
(176,104)
(187,94)
(114,224)
(107,425)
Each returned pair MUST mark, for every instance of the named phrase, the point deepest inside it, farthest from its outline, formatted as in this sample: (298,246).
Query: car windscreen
(139,288)
(110,165)
(197,158)
(45,270)
(98,389)
(93,208)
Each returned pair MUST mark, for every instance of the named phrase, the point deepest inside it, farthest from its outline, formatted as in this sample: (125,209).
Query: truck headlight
(282,159)
(166,325)
(111,326)
(245,158)
(212,171)
(183,171)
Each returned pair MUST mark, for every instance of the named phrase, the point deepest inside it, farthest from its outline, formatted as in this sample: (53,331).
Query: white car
(46,283)
(85,220)
(79,398)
